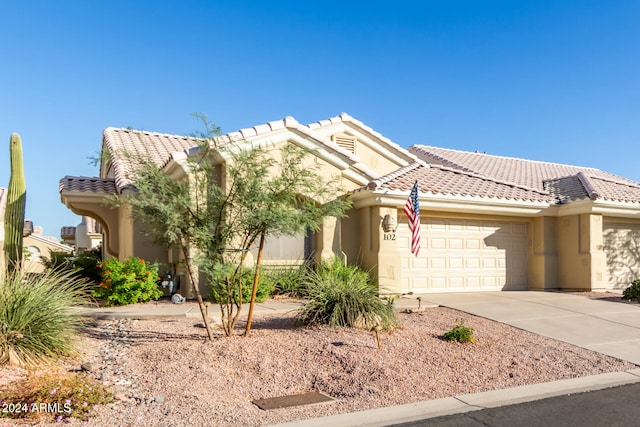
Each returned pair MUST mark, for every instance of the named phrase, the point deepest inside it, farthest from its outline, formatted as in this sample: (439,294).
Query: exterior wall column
(387,272)
(543,255)
(328,243)
(592,244)
(125,232)
(582,260)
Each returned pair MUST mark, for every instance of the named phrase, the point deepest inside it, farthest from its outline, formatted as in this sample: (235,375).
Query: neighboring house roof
(563,182)
(68,232)
(438,179)
(48,241)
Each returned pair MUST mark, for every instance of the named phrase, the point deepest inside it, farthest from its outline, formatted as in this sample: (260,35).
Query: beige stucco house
(487,222)
(86,236)
(38,247)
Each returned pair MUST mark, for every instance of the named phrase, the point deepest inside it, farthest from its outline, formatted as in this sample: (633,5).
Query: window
(34,254)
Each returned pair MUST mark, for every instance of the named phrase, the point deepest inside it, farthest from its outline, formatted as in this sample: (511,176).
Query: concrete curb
(470,402)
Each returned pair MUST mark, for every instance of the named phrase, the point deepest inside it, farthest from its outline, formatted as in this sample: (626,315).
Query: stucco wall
(582,262)
(543,255)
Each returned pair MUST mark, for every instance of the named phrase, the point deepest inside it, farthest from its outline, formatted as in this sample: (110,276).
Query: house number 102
(389,236)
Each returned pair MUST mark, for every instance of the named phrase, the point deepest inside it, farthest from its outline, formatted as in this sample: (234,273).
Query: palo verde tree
(292,199)
(273,192)
(216,214)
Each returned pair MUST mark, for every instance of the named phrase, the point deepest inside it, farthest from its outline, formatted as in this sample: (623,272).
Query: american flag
(412,209)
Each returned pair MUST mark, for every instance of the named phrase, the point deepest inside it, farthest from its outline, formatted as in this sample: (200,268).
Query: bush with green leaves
(128,282)
(290,280)
(632,292)
(219,290)
(460,333)
(84,264)
(342,295)
(38,315)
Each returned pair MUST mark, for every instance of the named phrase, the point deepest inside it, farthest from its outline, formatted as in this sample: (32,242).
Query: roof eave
(451,203)
(602,207)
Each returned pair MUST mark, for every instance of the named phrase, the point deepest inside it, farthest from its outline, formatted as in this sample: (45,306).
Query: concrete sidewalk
(164,308)
(607,327)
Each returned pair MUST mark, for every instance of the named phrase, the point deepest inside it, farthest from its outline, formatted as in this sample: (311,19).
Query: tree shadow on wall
(622,248)
(515,257)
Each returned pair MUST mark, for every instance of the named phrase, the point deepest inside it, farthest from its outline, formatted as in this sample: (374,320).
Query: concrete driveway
(610,328)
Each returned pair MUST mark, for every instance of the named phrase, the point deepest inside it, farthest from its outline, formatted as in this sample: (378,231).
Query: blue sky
(555,81)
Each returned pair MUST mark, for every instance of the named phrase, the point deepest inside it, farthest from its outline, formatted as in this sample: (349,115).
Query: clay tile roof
(156,146)
(566,189)
(88,184)
(438,179)
(160,147)
(68,231)
(616,191)
(564,182)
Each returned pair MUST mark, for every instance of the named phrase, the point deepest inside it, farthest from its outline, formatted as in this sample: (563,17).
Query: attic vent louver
(346,141)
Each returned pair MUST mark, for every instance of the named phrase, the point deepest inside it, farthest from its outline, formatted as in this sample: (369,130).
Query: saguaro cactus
(14,212)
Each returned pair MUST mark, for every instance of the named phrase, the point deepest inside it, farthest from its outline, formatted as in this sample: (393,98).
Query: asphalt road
(617,406)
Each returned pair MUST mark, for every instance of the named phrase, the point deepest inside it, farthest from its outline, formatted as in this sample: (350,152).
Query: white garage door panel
(621,244)
(464,255)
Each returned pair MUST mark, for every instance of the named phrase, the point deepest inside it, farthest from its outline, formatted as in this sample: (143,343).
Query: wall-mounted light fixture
(389,224)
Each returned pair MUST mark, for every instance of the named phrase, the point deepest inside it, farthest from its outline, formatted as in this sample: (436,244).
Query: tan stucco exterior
(37,248)
(558,246)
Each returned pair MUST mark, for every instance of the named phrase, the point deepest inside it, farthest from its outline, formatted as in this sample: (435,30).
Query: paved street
(610,407)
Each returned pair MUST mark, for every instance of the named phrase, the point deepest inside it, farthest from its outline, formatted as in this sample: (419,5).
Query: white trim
(451,203)
(604,207)
(41,239)
(348,167)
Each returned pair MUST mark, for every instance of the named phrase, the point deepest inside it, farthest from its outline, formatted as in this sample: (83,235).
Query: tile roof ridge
(491,179)
(591,192)
(346,118)
(422,149)
(372,132)
(585,168)
(148,132)
(379,182)
(90,178)
(261,129)
(621,181)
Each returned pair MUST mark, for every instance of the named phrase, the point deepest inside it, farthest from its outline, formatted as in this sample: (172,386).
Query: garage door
(464,255)
(621,243)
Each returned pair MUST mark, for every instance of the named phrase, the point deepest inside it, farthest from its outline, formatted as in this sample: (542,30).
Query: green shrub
(128,282)
(460,333)
(289,281)
(219,290)
(633,291)
(73,395)
(38,316)
(341,295)
(84,264)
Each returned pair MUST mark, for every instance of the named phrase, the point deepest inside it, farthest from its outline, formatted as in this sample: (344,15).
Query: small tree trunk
(254,291)
(203,311)
(229,319)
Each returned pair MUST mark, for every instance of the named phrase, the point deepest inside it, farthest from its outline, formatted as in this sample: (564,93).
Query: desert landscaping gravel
(164,372)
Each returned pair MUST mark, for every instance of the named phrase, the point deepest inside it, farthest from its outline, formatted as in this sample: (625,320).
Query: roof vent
(346,141)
